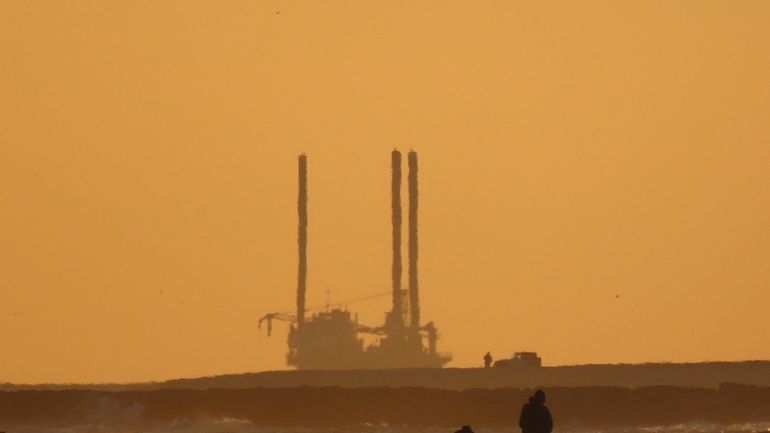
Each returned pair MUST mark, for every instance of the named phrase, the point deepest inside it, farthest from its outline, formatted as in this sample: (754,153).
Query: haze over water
(593,178)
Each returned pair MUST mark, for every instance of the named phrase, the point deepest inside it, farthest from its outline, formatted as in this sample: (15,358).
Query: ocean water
(242,426)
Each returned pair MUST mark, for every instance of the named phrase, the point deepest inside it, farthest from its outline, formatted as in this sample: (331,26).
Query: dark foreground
(337,407)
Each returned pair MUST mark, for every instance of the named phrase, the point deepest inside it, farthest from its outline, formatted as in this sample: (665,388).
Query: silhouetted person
(487,360)
(535,417)
(465,429)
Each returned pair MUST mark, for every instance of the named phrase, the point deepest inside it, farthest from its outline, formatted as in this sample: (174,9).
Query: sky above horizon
(593,178)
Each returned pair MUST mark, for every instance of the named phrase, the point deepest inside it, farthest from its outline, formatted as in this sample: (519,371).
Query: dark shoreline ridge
(336,407)
(701,375)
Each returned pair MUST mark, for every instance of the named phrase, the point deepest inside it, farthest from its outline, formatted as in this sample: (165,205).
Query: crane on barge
(330,339)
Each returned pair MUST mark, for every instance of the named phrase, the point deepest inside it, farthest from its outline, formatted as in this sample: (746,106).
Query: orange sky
(594,178)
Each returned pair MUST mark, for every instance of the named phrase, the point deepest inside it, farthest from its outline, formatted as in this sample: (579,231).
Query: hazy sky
(594,178)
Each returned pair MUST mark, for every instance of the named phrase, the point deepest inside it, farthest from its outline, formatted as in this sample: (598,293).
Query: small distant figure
(465,429)
(535,416)
(487,360)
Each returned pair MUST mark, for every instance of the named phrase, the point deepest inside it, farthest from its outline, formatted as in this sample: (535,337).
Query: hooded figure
(535,417)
